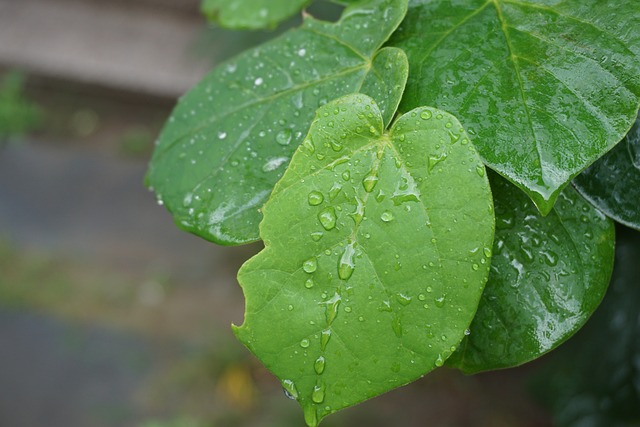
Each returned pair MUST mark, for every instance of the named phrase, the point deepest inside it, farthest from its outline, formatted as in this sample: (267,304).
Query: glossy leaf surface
(544,88)
(548,275)
(594,379)
(612,183)
(251,14)
(373,267)
(230,138)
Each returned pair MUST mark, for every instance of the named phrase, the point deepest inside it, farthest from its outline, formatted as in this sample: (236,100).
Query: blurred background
(111,316)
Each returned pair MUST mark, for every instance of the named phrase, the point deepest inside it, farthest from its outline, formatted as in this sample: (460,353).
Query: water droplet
(319,365)
(316,236)
(346,175)
(222,135)
(467,332)
(308,144)
(315,198)
(310,265)
(309,283)
(403,299)
(284,137)
(480,170)
(347,264)
(334,191)
(318,393)
(324,338)
(487,252)
(475,267)
(422,297)
(425,114)
(290,389)
(328,218)
(369,182)
(305,343)
(440,301)
(386,216)
(435,159)
(396,325)
(258,81)
(439,361)
(332,307)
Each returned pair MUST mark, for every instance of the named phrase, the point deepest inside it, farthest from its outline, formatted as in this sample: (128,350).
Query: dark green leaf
(611,184)
(544,88)
(230,139)
(548,275)
(251,14)
(594,380)
(373,267)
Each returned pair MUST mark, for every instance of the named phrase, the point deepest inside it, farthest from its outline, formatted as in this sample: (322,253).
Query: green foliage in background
(18,115)
(349,148)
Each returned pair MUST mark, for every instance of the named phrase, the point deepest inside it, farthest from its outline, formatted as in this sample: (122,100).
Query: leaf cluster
(408,170)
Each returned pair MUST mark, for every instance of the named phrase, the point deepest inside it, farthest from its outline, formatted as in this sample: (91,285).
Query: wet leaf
(230,138)
(548,275)
(611,183)
(594,380)
(544,88)
(373,267)
(251,14)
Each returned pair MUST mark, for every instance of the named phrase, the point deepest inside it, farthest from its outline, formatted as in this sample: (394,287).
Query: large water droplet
(319,365)
(396,325)
(328,218)
(425,115)
(435,159)
(305,343)
(324,338)
(290,389)
(439,302)
(369,182)
(310,265)
(386,216)
(347,264)
(332,307)
(284,137)
(315,198)
(317,395)
(403,299)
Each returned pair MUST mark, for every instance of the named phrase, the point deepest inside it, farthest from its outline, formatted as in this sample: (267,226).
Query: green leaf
(544,88)
(373,267)
(611,183)
(251,14)
(230,138)
(594,380)
(548,275)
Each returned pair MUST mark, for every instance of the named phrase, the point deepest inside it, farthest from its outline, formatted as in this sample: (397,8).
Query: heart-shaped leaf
(376,254)
(544,88)
(230,138)
(611,183)
(548,275)
(251,14)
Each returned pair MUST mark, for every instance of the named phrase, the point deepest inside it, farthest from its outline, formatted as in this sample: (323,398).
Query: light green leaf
(548,275)
(544,87)
(376,254)
(611,183)
(230,138)
(251,14)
